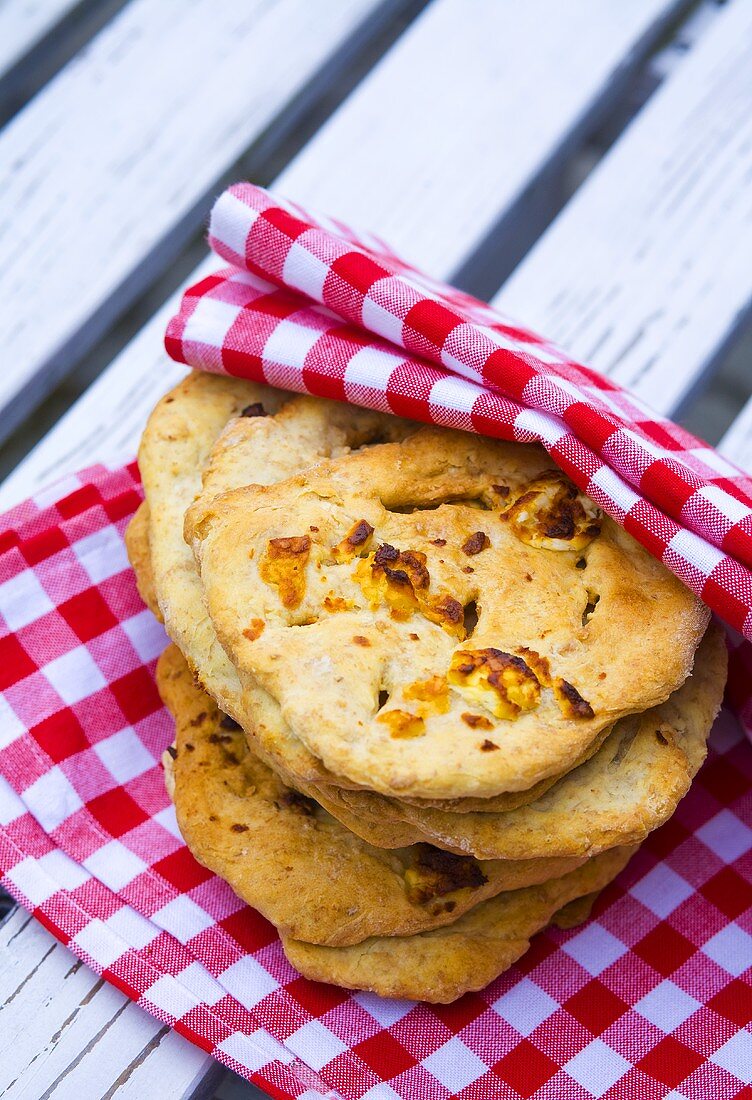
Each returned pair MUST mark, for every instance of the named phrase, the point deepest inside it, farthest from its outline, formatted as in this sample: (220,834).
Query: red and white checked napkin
(652,997)
(309,306)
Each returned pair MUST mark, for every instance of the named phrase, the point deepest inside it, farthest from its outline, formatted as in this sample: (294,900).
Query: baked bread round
(173,451)
(628,788)
(288,858)
(442,617)
(439,966)
(257,446)
(175,447)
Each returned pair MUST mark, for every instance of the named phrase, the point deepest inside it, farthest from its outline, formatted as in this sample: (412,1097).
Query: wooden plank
(467,113)
(39,37)
(67,1034)
(24,23)
(737,442)
(106,172)
(558,61)
(646,273)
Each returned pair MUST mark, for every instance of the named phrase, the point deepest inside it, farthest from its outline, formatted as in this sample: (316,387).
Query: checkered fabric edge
(309,306)
(653,996)
(138,957)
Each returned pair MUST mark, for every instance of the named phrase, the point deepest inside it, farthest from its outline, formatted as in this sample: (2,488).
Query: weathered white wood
(65,1034)
(463,114)
(23,23)
(431,163)
(109,168)
(737,442)
(646,273)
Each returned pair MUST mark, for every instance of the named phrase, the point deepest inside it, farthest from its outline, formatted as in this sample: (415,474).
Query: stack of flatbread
(427,697)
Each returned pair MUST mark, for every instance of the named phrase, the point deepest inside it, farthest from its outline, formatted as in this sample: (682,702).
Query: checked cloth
(652,997)
(309,306)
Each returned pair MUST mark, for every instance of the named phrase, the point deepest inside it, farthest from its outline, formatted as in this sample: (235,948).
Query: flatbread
(441,965)
(291,860)
(347,596)
(173,451)
(139,555)
(630,787)
(252,448)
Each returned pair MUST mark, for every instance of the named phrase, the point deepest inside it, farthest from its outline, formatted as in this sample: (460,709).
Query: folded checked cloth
(309,306)
(652,997)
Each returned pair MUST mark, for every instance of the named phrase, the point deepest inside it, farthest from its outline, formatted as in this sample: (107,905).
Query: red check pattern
(652,997)
(309,306)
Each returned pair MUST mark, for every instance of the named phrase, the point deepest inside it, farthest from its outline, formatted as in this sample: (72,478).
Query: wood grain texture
(646,274)
(66,1034)
(737,442)
(23,23)
(401,147)
(453,125)
(111,166)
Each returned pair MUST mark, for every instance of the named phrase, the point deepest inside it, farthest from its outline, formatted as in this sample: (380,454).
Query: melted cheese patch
(399,580)
(497,681)
(550,513)
(402,724)
(354,543)
(283,566)
(393,577)
(433,693)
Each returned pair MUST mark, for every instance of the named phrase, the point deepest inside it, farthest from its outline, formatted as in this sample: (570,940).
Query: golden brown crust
(174,448)
(590,627)
(629,787)
(283,854)
(439,966)
(139,555)
(302,431)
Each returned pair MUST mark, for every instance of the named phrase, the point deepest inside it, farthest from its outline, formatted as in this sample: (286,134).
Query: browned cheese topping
(478,541)
(354,542)
(254,630)
(284,565)
(400,579)
(449,614)
(476,721)
(497,681)
(394,577)
(435,873)
(568,698)
(434,693)
(538,664)
(402,724)
(337,603)
(550,513)
(571,703)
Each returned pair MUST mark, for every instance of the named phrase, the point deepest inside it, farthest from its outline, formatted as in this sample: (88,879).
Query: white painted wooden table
(107,174)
